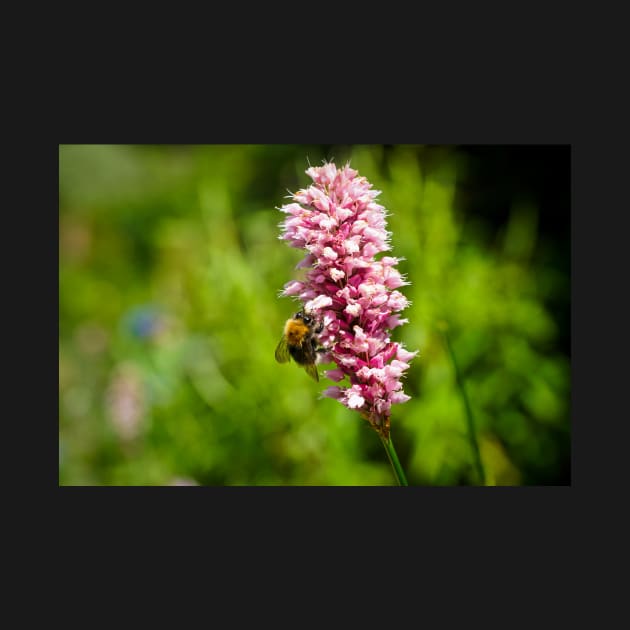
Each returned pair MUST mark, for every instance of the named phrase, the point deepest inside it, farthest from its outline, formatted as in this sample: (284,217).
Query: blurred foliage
(169,315)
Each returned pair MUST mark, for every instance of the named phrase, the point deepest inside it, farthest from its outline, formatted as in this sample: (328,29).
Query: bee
(299,342)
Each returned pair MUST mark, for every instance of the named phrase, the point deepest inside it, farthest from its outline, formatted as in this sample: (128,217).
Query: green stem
(472,435)
(393,460)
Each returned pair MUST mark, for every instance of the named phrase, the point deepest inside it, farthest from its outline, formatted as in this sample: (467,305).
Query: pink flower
(341,228)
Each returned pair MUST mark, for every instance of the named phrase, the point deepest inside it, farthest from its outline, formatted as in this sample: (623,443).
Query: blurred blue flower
(144,322)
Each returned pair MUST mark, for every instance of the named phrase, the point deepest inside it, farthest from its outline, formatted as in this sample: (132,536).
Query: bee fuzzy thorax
(296,331)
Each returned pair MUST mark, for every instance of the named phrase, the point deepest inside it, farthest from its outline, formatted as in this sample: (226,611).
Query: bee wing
(282,351)
(311,370)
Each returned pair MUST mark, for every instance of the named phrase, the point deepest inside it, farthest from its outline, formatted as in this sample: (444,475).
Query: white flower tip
(355,401)
(318,303)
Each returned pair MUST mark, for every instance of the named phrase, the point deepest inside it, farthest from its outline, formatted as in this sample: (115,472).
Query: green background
(169,272)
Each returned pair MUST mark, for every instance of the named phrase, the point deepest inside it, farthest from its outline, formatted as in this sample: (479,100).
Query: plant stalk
(470,423)
(394,461)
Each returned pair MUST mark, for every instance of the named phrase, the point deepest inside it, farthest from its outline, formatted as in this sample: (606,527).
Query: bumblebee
(299,342)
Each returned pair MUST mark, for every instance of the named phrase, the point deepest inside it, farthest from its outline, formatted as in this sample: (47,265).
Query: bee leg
(315,345)
(319,328)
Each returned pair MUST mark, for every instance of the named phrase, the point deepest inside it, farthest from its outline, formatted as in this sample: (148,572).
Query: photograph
(314,315)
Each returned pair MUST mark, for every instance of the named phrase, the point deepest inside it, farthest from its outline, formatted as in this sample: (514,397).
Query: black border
(421,519)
